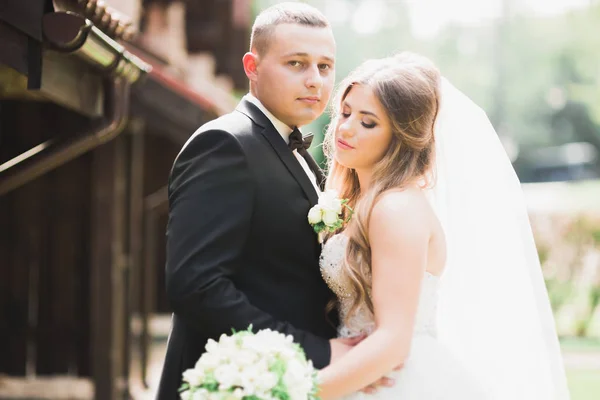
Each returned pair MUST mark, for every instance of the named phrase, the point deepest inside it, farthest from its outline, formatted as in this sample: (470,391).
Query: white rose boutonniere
(326,215)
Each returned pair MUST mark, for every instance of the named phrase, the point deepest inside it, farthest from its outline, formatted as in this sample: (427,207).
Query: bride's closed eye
(363,123)
(368,126)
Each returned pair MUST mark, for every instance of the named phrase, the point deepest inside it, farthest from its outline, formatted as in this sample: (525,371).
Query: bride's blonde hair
(407,86)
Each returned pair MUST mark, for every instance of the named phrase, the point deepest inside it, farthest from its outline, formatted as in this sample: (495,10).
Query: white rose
(249,378)
(295,373)
(328,194)
(298,380)
(208,361)
(244,357)
(267,342)
(329,199)
(314,215)
(298,394)
(226,375)
(201,394)
(211,346)
(256,345)
(193,376)
(337,206)
(213,396)
(185,395)
(266,382)
(330,217)
(227,342)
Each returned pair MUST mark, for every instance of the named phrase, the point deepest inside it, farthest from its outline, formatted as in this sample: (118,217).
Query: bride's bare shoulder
(405,207)
(401,201)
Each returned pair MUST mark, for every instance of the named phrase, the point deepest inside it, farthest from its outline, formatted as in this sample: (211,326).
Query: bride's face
(363,132)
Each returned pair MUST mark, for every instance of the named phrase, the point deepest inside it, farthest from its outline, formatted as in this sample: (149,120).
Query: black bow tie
(299,143)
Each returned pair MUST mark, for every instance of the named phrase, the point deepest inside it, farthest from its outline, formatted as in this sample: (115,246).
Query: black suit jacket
(240,250)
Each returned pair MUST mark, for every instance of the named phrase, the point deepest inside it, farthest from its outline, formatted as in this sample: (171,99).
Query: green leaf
(278,367)
(280,392)
(319,227)
(184,386)
(350,214)
(210,383)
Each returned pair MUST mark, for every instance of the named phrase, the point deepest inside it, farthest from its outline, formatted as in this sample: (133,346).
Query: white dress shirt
(285,132)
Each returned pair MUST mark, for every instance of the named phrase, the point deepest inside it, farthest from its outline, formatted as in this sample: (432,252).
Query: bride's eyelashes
(366,125)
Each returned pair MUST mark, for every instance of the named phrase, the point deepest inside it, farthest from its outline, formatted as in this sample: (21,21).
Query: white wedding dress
(431,371)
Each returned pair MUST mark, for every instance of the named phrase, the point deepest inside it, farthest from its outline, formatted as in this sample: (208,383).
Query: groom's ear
(250,62)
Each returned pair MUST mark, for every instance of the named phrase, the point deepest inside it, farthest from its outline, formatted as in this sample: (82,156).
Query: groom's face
(295,74)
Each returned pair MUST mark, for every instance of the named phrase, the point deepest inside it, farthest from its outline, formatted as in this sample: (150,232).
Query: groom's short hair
(283,13)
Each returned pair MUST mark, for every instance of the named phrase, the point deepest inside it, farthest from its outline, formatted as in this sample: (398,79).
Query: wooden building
(91,119)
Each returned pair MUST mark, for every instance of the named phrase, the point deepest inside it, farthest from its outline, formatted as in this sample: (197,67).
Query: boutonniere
(326,215)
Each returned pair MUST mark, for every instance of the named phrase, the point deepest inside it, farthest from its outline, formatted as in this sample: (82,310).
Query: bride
(437,265)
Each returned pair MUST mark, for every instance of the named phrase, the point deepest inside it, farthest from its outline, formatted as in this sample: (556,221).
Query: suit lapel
(319,173)
(292,164)
(278,144)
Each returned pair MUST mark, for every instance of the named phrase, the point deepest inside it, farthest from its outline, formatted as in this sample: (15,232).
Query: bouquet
(266,365)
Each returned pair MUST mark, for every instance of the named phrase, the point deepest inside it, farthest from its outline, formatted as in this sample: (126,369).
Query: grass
(580,344)
(584,384)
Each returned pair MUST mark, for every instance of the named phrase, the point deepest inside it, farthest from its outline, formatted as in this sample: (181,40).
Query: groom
(240,250)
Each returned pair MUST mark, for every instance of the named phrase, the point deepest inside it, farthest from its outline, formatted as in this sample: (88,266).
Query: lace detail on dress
(332,258)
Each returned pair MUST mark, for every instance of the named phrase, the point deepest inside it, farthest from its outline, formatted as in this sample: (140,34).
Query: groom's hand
(341,346)
(383,382)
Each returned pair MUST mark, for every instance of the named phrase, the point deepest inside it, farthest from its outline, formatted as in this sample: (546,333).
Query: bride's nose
(345,128)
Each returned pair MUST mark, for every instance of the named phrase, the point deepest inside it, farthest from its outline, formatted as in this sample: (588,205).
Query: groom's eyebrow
(300,54)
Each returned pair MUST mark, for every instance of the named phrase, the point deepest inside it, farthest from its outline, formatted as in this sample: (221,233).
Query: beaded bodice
(362,321)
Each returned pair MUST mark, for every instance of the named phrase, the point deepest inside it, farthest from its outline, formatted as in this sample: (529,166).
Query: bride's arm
(399,234)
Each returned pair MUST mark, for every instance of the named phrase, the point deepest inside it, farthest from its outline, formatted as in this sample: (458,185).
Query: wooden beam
(13,49)
(24,15)
(46,388)
(66,80)
(20,52)
(22,250)
(166,111)
(136,230)
(108,265)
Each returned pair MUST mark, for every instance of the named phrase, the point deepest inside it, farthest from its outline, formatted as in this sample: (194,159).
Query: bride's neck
(364,179)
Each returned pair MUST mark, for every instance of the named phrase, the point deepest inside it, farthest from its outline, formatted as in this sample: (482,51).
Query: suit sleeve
(210,200)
